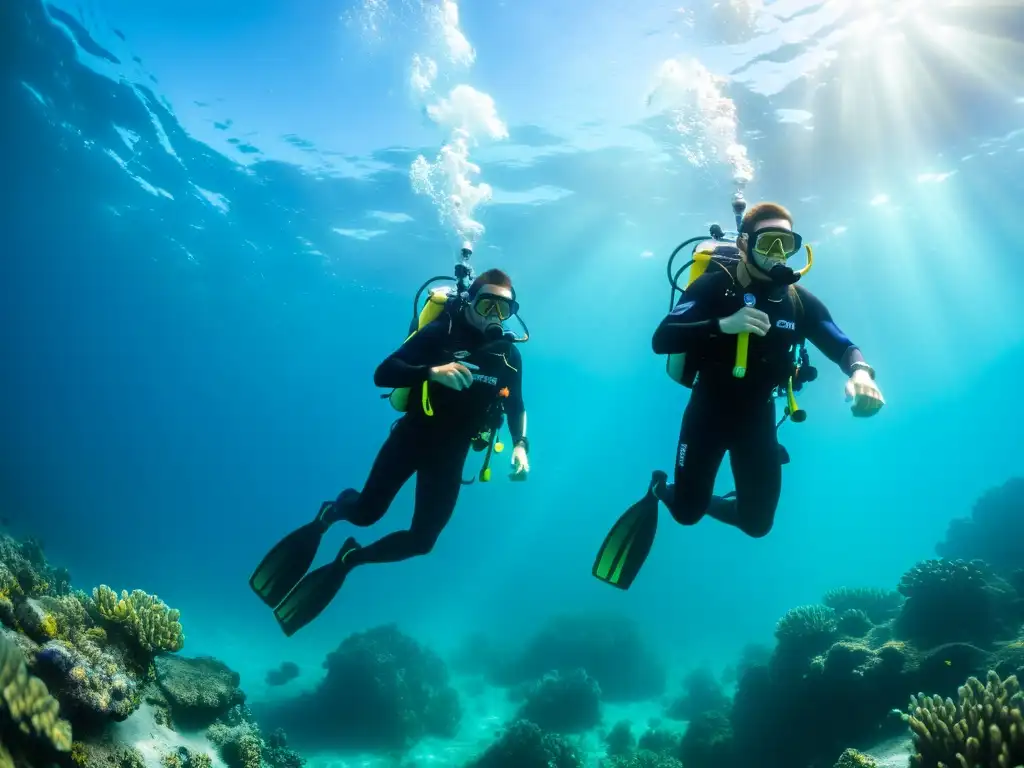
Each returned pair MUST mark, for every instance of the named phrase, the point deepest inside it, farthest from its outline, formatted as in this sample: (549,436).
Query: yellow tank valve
(499,447)
(485,475)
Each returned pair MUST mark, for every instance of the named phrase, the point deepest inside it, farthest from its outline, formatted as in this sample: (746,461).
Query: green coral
(27,700)
(149,620)
(984,729)
(851,758)
(879,605)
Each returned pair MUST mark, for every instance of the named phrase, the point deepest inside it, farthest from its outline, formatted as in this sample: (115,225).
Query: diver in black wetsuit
(475,376)
(757,295)
(737,415)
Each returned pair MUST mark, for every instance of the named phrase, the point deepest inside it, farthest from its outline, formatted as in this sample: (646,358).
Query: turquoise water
(217,218)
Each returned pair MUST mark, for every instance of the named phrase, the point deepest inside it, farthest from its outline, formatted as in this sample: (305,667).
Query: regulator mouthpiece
(783,275)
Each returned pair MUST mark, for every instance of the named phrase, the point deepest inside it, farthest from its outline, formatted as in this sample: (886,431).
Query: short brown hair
(491,277)
(763,212)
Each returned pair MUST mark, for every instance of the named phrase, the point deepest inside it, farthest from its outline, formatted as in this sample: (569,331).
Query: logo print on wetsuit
(493,380)
(682,454)
(460,355)
(789,325)
(686,305)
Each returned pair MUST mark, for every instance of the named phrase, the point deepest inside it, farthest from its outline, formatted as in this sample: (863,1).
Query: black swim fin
(628,543)
(288,561)
(314,592)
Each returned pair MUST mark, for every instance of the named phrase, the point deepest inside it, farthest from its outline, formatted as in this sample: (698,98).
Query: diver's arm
(693,320)
(410,364)
(821,330)
(515,408)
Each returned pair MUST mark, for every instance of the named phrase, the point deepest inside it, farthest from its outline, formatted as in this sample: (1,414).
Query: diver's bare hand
(453,375)
(746,320)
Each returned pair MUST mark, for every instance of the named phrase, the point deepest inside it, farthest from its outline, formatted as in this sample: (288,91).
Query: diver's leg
(757,467)
(396,462)
(438,482)
(699,454)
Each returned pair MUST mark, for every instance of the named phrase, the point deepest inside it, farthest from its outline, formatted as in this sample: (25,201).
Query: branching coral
(854,623)
(806,630)
(28,702)
(879,605)
(148,619)
(984,729)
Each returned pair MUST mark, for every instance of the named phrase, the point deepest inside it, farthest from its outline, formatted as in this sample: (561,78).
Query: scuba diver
(466,372)
(742,305)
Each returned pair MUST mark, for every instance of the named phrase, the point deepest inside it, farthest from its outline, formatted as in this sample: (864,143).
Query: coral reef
(878,605)
(937,589)
(27,704)
(708,742)
(383,690)
(198,690)
(994,531)
(854,622)
(72,661)
(644,759)
(563,703)
(609,647)
(525,745)
(984,729)
(620,739)
(283,675)
(851,758)
(145,618)
(701,693)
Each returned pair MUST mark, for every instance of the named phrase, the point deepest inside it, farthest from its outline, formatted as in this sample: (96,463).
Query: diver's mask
(770,248)
(496,310)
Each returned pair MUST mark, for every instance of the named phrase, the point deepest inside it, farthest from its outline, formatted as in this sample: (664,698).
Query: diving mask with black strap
(770,248)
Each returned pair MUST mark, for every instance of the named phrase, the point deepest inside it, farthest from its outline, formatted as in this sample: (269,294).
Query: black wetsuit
(738,415)
(434,447)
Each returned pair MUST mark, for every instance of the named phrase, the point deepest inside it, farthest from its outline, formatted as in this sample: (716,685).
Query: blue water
(188,339)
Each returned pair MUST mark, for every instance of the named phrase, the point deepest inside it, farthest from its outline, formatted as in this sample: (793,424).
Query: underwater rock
(199,690)
(708,742)
(620,739)
(701,693)
(284,674)
(609,647)
(383,691)
(558,703)
(523,744)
